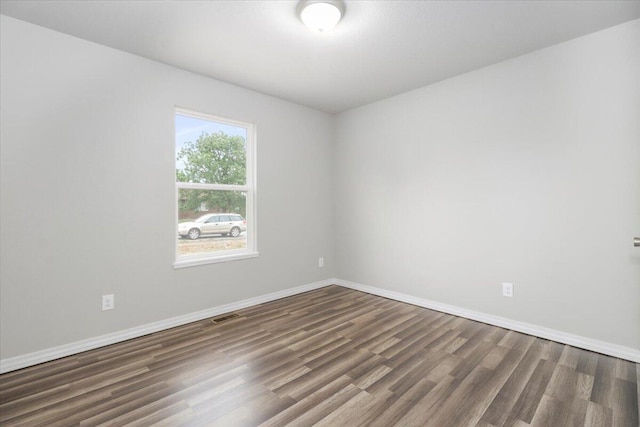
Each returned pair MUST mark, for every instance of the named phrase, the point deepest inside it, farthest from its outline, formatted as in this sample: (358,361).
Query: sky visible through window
(188,129)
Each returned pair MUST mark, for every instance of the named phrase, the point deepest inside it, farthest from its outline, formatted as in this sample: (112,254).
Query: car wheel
(194,233)
(235,232)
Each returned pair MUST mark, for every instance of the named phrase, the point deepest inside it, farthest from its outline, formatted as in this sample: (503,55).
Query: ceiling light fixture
(320,15)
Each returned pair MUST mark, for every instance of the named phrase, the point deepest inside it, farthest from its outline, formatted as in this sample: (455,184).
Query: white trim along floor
(23,361)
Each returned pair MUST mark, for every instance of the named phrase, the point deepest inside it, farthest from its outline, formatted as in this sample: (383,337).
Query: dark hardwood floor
(329,357)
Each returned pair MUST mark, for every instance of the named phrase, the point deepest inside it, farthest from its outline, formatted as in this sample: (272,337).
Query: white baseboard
(590,344)
(30,359)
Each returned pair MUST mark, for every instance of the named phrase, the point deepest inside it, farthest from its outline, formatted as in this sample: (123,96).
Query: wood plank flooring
(330,357)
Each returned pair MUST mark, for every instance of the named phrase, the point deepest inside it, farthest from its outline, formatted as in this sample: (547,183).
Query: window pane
(202,229)
(209,152)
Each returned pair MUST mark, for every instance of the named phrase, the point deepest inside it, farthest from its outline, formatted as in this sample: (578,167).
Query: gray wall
(87,191)
(527,171)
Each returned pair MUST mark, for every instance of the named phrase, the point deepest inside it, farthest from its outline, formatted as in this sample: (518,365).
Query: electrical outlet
(108,302)
(507,290)
(320,262)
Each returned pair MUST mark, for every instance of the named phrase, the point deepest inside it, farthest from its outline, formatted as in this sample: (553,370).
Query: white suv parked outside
(216,223)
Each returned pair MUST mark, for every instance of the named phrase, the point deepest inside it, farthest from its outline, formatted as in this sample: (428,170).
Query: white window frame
(249,188)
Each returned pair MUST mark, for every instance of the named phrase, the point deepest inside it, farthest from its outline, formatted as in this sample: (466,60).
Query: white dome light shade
(320,15)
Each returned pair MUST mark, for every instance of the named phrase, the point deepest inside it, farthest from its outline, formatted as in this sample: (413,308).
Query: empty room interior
(362,213)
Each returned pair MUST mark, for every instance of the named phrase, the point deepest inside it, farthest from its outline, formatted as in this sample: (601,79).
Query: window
(215,189)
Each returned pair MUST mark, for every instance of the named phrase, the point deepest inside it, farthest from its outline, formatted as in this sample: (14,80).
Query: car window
(202,219)
(236,218)
(214,219)
(224,218)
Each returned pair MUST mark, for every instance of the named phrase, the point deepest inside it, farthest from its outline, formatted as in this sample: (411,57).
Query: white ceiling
(379,49)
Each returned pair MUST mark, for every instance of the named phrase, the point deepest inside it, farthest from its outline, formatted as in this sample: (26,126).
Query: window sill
(214,259)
